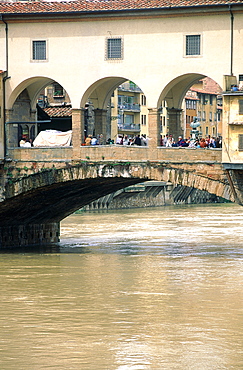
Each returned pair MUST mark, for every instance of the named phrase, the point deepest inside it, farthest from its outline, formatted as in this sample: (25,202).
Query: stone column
(175,122)
(101,123)
(153,128)
(77,128)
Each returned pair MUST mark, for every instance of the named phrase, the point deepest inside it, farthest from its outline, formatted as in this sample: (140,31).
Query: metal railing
(129,87)
(129,127)
(130,107)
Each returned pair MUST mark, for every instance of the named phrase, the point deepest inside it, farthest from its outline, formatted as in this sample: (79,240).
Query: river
(142,289)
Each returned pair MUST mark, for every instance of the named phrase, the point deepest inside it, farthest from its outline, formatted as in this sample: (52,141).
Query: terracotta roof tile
(58,111)
(25,7)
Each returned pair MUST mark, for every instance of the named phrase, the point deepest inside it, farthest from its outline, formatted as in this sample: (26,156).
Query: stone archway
(174,94)
(98,96)
(22,113)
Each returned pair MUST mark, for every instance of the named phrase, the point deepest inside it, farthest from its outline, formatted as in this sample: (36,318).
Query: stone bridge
(36,195)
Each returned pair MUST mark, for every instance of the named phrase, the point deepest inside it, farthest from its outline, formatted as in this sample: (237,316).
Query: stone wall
(29,235)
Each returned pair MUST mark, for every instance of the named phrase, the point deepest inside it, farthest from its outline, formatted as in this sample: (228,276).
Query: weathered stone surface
(48,195)
(26,235)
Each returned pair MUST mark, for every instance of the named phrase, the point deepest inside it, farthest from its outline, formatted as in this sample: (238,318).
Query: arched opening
(115,112)
(190,106)
(36,105)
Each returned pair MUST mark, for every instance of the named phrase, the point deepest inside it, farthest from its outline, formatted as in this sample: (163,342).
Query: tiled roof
(209,86)
(28,7)
(58,111)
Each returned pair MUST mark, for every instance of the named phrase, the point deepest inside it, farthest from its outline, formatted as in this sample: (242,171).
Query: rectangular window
(143,116)
(39,50)
(241,106)
(143,99)
(114,48)
(240,142)
(58,89)
(193,44)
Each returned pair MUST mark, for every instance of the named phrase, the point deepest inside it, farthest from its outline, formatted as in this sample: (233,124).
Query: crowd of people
(139,140)
(208,142)
(142,140)
(166,141)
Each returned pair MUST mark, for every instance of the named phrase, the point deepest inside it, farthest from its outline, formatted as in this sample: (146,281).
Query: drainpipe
(6,77)
(231,40)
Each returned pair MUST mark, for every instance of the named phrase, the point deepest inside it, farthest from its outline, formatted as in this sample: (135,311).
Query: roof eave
(192,9)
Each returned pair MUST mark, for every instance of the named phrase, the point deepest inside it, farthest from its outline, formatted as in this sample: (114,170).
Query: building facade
(109,43)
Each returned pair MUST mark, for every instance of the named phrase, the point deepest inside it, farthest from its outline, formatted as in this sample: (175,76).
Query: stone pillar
(175,122)
(153,128)
(101,123)
(77,128)
(16,236)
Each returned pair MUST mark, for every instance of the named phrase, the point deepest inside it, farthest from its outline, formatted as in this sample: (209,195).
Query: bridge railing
(115,153)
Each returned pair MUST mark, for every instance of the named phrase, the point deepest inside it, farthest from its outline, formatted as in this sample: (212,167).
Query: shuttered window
(240,142)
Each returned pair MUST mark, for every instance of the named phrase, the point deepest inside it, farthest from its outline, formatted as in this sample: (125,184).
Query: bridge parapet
(115,153)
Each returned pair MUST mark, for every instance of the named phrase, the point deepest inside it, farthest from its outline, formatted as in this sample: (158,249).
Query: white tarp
(53,138)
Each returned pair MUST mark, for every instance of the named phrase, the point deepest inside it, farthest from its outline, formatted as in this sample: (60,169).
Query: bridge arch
(33,86)
(49,196)
(98,98)
(174,93)
(101,90)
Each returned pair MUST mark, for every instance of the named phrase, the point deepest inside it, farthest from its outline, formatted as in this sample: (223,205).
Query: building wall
(147,52)
(233,128)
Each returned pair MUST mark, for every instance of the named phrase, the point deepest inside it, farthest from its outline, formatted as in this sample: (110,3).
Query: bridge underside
(53,203)
(33,205)
(34,218)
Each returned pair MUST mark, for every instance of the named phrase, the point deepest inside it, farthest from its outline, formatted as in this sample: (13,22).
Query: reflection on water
(135,289)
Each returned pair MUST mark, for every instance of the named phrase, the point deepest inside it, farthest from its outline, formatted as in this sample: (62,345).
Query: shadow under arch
(100,91)
(33,86)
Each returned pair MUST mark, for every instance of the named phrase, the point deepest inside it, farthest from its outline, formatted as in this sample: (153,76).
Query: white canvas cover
(53,138)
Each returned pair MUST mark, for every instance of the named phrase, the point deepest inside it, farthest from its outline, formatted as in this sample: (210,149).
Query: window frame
(186,38)
(107,51)
(32,51)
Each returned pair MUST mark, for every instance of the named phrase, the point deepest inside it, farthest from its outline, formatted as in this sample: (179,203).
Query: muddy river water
(143,289)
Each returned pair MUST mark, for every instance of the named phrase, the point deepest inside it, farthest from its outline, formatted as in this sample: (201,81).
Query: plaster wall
(153,52)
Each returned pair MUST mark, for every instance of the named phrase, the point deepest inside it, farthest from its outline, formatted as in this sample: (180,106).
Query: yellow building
(127,116)
(204,101)
(232,155)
